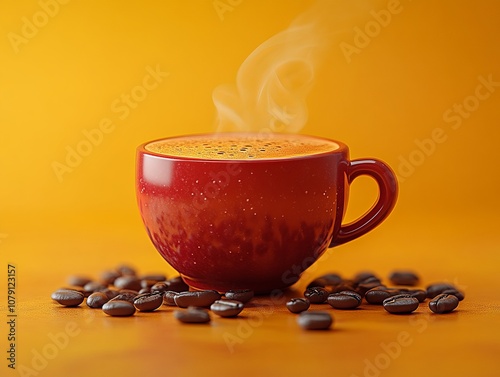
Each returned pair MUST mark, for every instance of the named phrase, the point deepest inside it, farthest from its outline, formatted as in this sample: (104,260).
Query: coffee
(241,146)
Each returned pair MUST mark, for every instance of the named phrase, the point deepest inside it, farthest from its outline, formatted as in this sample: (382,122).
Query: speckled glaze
(252,224)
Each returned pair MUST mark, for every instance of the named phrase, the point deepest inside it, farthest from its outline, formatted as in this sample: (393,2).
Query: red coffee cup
(256,219)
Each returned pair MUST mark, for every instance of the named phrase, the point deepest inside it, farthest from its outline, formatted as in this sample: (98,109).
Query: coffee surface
(241,146)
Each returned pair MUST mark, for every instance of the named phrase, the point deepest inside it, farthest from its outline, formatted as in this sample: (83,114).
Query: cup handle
(388,193)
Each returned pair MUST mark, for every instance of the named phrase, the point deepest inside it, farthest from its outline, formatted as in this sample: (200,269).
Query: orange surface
(421,93)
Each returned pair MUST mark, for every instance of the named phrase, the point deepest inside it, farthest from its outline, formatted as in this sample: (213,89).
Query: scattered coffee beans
(147,302)
(97,299)
(344,300)
(192,315)
(242,295)
(118,308)
(227,308)
(400,304)
(298,305)
(443,303)
(196,298)
(68,297)
(315,320)
(121,292)
(404,278)
(316,295)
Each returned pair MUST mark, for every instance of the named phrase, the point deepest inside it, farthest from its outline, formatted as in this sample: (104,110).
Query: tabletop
(265,339)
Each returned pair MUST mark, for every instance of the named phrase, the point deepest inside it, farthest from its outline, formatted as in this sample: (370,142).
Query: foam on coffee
(241,146)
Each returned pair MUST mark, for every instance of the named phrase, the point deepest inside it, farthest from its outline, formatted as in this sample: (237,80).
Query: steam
(273,82)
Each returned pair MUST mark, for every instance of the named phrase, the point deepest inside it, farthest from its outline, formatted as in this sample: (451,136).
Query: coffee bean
(326,280)
(78,281)
(363,275)
(144,290)
(315,320)
(400,304)
(376,296)
(298,305)
(242,295)
(317,283)
(455,292)
(344,286)
(125,296)
(97,299)
(227,308)
(365,285)
(344,300)
(154,277)
(76,288)
(402,277)
(176,284)
(147,284)
(94,286)
(68,297)
(126,270)
(419,294)
(192,315)
(118,308)
(159,287)
(108,277)
(130,291)
(443,303)
(196,298)
(147,302)
(169,298)
(331,278)
(316,295)
(437,288)
(127,282)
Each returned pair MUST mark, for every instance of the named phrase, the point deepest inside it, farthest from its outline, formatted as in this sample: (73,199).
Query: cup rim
(342,148)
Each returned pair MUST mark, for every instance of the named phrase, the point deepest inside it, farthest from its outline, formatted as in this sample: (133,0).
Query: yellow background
(64,79)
